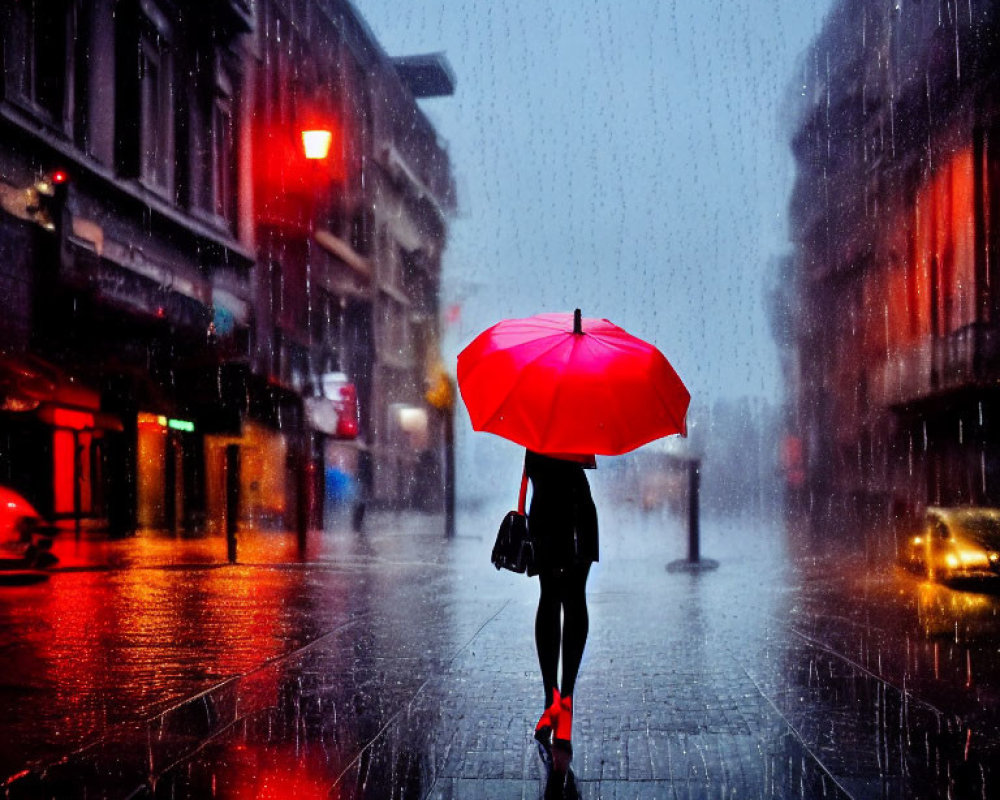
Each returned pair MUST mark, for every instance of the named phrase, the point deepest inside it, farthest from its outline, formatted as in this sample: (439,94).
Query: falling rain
(248,499)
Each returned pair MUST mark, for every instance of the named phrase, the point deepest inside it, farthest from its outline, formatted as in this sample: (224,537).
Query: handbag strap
(524,491)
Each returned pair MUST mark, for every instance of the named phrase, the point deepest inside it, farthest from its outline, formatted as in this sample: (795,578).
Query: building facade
(350,245)
(896,221)
(178,278)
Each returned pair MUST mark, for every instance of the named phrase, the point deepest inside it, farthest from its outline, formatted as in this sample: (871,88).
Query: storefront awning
(79,419)
(25,381)
(30,383)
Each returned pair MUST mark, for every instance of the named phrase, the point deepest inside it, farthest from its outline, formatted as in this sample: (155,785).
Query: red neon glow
(146,420)
(962,253)
(63,449)
(287,179)
(944,247)
(67,418)
(71,471)
(59,176)
(347,412)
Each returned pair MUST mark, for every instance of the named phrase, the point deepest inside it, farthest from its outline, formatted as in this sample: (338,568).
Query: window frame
(157,138)
(22,57)
(222,131)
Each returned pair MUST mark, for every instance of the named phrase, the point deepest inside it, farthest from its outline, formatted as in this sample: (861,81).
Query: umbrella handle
(522,496)
(577,321)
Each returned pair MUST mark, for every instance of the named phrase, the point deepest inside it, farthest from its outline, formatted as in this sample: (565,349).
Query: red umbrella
(556,383)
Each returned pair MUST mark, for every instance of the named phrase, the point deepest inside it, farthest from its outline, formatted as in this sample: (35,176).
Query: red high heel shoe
(563,730)
(549,719)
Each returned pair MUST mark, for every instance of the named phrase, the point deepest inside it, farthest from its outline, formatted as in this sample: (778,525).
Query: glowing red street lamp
(316,143)
(316,147)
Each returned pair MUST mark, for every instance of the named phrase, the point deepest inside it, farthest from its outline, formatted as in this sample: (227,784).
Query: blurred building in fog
(896,221)
(179,277)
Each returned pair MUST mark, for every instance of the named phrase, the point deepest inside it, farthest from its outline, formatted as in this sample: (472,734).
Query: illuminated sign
(147,420)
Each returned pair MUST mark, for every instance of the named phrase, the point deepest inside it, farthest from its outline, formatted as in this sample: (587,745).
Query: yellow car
(957,544)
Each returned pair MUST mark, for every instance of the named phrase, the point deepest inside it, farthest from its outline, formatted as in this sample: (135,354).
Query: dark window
(144,118)
(224,151)
(37,57)
(156,123)
(211,138)
(198,137)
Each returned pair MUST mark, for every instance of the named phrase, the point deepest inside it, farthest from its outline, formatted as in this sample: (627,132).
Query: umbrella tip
(577,321)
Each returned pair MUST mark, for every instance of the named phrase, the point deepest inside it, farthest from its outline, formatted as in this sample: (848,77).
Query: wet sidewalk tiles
(401,665)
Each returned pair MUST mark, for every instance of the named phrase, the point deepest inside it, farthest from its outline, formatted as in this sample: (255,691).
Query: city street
(266,260)
(397,663)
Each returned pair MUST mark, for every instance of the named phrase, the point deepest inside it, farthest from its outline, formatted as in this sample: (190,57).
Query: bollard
(449,475)
(232,498)
(694,562)
(694,546)
(303,494)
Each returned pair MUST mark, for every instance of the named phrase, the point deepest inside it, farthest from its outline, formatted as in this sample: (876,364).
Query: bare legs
(561,624)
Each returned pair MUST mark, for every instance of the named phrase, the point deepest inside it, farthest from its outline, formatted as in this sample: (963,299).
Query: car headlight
(970,558)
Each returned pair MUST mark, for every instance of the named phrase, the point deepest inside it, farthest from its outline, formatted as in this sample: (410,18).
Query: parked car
(25,537)
(956,544)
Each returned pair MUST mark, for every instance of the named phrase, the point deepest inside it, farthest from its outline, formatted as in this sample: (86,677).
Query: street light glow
(316,143)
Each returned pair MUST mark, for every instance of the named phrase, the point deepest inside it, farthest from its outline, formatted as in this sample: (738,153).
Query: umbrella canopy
(557,383)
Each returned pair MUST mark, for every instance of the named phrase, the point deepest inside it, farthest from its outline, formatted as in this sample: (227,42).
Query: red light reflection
(120,645)
(273,772)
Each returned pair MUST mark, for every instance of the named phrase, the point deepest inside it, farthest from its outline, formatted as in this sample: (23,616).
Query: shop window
(151,455)
(944,246)
(73,472)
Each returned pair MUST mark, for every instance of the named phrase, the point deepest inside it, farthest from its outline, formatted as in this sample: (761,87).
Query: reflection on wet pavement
(400,664)
(892,679)
(378,721)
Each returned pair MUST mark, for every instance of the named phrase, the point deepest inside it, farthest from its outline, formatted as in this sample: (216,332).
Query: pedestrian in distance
(562,519)
(366,481)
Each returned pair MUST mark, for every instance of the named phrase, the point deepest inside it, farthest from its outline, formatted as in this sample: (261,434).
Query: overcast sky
(624,156)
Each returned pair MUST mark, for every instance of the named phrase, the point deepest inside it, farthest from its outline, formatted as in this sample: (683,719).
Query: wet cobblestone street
(400,664)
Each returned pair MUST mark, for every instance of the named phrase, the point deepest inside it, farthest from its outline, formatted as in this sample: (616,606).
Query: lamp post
(316,148)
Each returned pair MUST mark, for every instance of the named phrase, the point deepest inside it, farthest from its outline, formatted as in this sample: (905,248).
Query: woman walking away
(563,521)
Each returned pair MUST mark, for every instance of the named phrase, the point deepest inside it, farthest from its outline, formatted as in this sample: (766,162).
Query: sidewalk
(399,664)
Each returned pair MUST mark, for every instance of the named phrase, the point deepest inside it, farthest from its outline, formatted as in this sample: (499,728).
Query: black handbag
(514,548)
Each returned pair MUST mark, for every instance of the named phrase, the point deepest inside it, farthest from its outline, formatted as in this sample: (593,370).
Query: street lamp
(316,147)
(316,143)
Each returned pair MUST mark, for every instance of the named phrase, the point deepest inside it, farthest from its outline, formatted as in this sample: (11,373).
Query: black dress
(562,517)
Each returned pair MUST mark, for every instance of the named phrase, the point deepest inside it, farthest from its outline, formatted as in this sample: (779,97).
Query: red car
(25,537)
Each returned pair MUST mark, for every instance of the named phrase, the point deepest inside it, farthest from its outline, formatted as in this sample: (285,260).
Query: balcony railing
(969,356)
